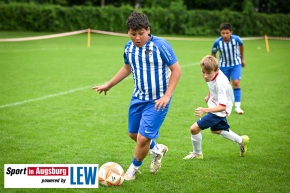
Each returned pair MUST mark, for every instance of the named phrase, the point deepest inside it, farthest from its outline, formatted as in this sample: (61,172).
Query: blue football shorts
(144,119)
(215,123)
(232,72)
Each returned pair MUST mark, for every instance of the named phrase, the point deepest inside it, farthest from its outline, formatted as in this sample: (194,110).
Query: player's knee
(133,136)
(194,129)
(215,132)
(236,83)
(142,140)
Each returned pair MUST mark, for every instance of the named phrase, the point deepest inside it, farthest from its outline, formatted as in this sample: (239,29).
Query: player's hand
(199,111)
(103,88)
(161,103)
(243,63)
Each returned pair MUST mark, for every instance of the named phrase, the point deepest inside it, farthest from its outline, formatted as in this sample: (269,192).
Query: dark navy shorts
(215,123)
(144,119)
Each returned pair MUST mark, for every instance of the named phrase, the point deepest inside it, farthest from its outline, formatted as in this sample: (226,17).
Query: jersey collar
(215,76)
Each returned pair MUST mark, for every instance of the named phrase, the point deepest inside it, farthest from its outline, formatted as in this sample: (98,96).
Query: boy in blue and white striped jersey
(231,59)
(156,72)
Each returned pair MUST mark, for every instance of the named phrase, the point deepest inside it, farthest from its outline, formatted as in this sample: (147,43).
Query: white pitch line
(43,98)
(60,93)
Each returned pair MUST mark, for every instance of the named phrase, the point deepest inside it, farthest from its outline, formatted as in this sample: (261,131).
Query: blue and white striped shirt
(150,67)
(229,54)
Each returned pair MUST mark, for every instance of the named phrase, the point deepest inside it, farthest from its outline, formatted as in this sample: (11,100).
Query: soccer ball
(111,174)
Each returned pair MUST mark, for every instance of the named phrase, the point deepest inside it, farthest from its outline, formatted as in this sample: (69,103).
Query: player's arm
(175,75)
(241,47)
(214,49)
(222,101)
(200,110)
(123,73)
(174,78)
(206,98)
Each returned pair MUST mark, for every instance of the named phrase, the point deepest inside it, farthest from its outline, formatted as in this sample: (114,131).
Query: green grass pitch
(50,115)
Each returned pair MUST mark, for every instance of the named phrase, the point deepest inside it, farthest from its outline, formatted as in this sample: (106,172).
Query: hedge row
(174,20)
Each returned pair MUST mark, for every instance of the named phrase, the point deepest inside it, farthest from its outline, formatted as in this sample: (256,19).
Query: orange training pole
(267,43)
(89,37)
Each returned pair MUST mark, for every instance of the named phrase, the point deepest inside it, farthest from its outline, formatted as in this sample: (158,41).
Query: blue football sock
(136,163)
(237,94)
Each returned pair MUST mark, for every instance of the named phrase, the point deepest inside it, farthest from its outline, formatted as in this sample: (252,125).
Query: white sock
(237,104)
(231,136)
(196,143)
(133,166)
(155,149)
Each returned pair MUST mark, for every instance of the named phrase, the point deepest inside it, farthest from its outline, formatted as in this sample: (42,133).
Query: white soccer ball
(111,174)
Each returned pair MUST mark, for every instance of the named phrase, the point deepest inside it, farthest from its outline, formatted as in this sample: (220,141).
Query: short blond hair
(209,63)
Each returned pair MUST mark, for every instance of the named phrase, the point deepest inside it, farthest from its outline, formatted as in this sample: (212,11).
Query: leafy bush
(174,20)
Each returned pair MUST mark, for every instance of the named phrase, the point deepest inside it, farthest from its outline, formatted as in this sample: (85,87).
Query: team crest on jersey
(148,53)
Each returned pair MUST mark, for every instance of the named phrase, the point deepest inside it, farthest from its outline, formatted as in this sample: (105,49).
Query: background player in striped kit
(156,72)
(231,59)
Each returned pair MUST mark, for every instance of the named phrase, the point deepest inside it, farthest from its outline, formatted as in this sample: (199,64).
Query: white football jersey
(221,93)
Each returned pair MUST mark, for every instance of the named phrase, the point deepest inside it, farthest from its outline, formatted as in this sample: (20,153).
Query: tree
(263,6)
(272,6)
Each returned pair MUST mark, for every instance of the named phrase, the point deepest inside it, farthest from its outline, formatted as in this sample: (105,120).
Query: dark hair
(226,26)
(137,21)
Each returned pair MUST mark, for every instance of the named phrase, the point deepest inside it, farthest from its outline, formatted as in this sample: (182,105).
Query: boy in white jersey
(220,101)
(156,72)
(231,57)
